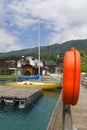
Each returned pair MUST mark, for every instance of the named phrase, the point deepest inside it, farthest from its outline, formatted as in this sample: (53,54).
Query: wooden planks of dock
(61,117)
(66,117)
(56,121)
(23,95)
(79,112)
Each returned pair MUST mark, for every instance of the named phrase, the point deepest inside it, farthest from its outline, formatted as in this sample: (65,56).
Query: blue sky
(60,21)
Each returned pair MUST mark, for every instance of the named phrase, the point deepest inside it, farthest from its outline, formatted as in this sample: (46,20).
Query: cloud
(8,42)
(68,34)
(23,22)
(48,9)
(54,12)
(65,19)
(2,14)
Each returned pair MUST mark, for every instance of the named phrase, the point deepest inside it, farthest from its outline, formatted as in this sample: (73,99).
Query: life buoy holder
(71,77)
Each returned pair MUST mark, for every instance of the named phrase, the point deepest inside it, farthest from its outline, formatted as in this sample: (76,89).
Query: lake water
(36,116)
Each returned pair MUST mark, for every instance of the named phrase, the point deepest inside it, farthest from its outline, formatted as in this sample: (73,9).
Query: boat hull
(37,85)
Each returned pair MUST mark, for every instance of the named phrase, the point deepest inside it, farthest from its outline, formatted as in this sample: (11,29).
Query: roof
(32,61)
(50,63)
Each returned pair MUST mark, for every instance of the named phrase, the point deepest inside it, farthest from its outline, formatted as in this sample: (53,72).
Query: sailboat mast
(39,45)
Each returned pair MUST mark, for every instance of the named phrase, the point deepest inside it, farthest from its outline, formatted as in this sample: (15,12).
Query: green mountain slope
(52,49)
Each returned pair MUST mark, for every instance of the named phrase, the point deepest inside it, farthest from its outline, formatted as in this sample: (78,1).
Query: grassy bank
(46,78)
(43,78)
(8,76)
(49,78)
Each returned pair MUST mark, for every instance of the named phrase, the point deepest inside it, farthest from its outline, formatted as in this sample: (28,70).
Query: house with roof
(8,67)
(50,66)
(29,65)
(3,66)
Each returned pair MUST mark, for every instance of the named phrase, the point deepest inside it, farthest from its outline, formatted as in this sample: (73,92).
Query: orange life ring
(71,77)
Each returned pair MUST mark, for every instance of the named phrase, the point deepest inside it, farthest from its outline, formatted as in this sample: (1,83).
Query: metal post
(39,45)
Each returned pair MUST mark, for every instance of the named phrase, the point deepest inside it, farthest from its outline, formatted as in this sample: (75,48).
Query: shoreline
(7,79)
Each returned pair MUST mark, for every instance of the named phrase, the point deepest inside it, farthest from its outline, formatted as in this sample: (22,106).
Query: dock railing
(84,81)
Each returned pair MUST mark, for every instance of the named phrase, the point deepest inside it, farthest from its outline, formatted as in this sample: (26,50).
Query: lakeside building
(50,66)
(8,67)
(29,66)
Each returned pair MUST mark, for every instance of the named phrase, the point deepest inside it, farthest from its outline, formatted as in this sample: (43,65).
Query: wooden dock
(56,121)
(66,117)
(22,95)
(79,112)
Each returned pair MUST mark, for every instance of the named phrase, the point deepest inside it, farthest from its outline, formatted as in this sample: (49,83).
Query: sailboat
(36,84)
(27,80)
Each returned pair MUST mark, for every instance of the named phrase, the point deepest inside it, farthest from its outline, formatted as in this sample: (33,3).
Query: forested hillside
(52,50)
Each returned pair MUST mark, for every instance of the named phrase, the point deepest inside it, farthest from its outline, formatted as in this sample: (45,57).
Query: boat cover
(29,76)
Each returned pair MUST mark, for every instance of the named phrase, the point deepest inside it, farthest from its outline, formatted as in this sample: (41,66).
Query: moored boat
(37,84)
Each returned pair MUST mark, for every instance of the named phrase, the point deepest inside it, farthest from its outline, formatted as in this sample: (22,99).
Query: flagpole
(39,45)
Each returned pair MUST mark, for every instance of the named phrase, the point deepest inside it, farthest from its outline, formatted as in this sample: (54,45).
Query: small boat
(37,84)
(32,81)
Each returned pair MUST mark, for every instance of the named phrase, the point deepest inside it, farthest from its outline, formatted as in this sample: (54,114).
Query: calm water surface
(36,116)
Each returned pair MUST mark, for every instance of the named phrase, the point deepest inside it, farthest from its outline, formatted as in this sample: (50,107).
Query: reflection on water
(51,92)
(34,117)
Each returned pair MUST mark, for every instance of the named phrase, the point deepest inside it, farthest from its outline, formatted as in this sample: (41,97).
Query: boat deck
(24,95)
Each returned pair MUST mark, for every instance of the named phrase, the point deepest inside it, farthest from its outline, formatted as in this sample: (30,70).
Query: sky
(60,21)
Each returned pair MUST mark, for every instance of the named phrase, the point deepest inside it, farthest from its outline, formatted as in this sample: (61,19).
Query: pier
(66,117)
(22,95)
(79,112)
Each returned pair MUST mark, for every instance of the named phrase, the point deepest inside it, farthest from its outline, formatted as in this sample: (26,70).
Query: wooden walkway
(79,112)
(56,121)
(23,95)
(66,117)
